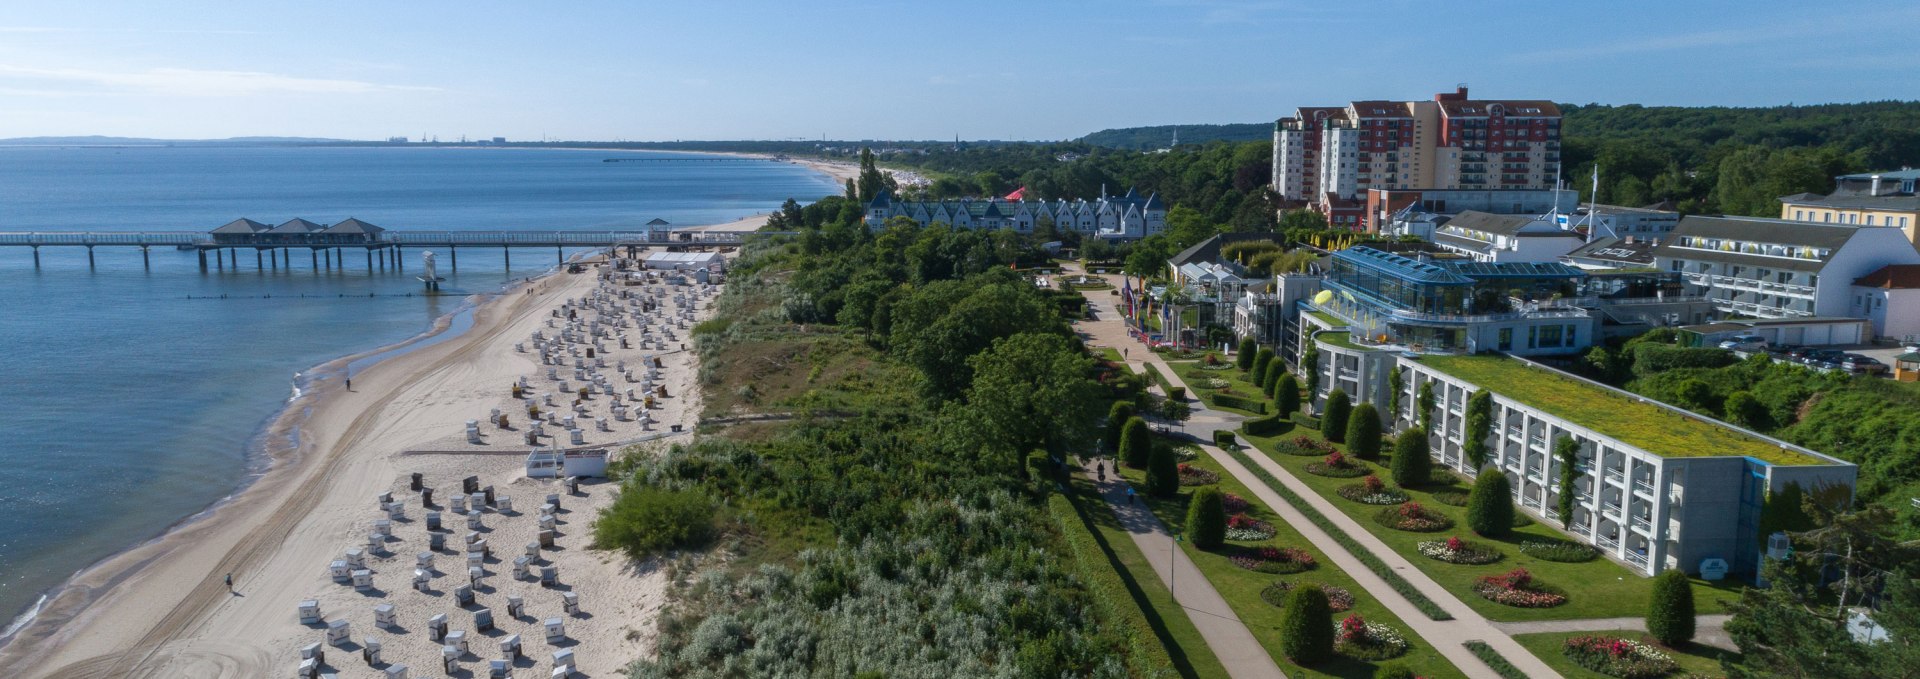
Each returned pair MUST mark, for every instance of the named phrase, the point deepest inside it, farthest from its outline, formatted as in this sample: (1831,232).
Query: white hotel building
(1656,487)
(1128,217)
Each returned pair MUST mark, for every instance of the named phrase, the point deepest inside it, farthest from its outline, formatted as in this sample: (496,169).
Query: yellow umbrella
(1323,297)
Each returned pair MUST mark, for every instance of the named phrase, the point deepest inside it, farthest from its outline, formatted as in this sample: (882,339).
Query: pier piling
(369,260)
(89,256)
(146,260)
(316,258)
(36,258)
(259,264)
(506,257)
(453,258)
(203,257)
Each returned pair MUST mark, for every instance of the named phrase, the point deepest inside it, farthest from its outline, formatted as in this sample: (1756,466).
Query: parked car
(1745,343)
(1828,359)
(1866,365)
(1800,353)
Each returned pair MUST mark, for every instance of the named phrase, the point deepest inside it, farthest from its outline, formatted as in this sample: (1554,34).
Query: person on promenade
(1129,494)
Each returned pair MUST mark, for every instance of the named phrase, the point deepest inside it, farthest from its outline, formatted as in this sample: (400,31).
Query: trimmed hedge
(1670,609)
(1207,518)
(1271,425)
(1306,628)
(1117,417)
(1163,472)
(1305,420)
(1359,551)
(1223,438)
(1333,418)
(1412,460)
(1286,395)
(1490,504)
(1363,432)
(1136,443)
(1496,662)
(1243,359)
(1250,405)
(1100,573)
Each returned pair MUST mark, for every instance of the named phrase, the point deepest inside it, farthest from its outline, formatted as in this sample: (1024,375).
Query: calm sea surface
(131,398)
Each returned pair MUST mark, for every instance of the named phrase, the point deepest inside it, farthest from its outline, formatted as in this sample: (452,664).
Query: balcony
(1614,474)
(1643,524)
(1607,543)
(1643,487)
(1637,558)
(1610,508)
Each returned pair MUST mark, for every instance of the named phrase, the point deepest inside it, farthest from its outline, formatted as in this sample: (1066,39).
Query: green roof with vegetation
(1339,339)
(1610,413)
(1327,318)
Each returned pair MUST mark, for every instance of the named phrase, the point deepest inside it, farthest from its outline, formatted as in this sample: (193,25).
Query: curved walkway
(1447,637)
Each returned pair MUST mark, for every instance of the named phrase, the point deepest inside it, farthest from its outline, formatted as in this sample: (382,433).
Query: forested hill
(1159,136)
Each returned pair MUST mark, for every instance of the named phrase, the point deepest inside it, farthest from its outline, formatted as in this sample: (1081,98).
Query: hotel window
(1506,339)
(1869,220)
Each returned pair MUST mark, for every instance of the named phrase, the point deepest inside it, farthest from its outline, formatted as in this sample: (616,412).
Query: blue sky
(983,69)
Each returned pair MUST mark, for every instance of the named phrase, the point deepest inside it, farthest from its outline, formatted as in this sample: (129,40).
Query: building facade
(1333,156)
(1443,305)
(1773,268)
(1127,217)
(1870,199)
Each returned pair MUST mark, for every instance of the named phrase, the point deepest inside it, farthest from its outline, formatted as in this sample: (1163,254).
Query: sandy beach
(163,609)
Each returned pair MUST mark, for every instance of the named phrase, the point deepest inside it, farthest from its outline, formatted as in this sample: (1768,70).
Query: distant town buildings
(1328,157)
(1870,199)
(1127,217)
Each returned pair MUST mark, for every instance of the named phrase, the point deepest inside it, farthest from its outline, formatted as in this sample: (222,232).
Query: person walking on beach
(229,583)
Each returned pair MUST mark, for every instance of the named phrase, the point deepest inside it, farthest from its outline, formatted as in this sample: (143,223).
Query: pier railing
(106,238)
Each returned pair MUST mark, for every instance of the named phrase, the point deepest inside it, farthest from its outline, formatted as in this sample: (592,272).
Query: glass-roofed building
(1453,306)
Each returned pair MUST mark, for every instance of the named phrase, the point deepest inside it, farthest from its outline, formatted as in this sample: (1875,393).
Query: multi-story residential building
(1655,487)
(1296,140)
(1486,237)
(1774,268)
(1451,142)
(1890,299)
(1870,199)
(1127,217)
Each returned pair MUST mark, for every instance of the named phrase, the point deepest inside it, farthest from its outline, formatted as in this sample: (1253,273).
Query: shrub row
(1223,438)
(1101,575)
(1498,663)
(1359,551)
(1271,425)
(1251,405)
(1306,420)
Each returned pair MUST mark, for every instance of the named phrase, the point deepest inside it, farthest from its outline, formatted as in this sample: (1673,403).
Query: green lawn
(1694,660)
(1110,354)
(1596,589)
(1611,413)
(1192,657)
(1340,339)
(1242,587)
(1238,383)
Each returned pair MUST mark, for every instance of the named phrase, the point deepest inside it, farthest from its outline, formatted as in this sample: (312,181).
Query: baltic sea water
(132,398)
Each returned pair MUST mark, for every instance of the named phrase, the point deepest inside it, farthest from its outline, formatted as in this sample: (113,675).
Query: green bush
(1412,461)
(1395,671)
(1363,432)
(1333,421)
(1207,518)
(1743,410)
(1496,662)
(1117,417)
(1247,404)
(1223,438)
(1176,393)
(1260,363)
(1652,358)
(1163,472)
(1271,425)
(1670,609)
(1136,443)
(1244,359)
(646,521)
(1490,504)
(1479,425)
(1286,397)
(1305,420)
(1271,383)
(1306,630)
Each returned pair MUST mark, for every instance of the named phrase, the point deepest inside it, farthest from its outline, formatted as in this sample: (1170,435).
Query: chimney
(1875,190)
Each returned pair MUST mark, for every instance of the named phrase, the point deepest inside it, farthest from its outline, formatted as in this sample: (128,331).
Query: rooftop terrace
(1624,417)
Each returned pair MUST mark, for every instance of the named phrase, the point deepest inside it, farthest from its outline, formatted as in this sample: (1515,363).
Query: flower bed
(1410,516)
(1336,465)
(1195,476)
(1372,491)
(1356,638)
(1456,550)
(1338,598)
(1274,560)
(1234,504)
(1217,383)
(1304,446)
(1617,657)
(1243,528)
(1217,366)
(1561,551)
(1451,498)
(1518,589)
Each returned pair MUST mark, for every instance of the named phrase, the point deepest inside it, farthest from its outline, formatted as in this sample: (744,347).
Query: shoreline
(263,457)
(281,426)
(160,609)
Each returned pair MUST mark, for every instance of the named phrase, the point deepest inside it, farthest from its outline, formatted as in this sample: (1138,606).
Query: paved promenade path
(1447,636)
(1229,638)
(1708,630)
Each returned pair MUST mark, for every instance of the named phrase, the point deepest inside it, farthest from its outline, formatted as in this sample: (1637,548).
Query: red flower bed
(1277,560)
(1234,504)
(1518,589)
(1410,516)
(1617,657)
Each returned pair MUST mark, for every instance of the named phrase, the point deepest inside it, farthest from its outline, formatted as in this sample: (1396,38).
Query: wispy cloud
(195,82)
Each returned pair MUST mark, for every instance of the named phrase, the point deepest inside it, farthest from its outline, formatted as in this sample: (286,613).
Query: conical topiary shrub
(1163,472)
(1286,397)
(1490,504)
(1363,432)
(1670,609)
(1306,630)
(1412,461)
(1333,422)
(1136,443)
(1117,418)
(1207,518)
